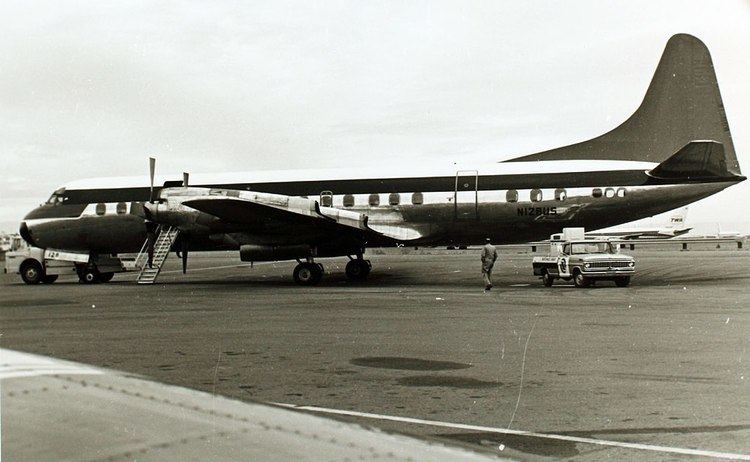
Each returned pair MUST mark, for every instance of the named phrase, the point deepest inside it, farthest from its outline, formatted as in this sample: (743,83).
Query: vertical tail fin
(682,104)
(678,219)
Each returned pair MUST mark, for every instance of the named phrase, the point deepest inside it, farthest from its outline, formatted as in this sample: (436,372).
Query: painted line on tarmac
(505,431)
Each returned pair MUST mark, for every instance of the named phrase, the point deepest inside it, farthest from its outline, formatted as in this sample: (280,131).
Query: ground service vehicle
(583,260)
(37,265)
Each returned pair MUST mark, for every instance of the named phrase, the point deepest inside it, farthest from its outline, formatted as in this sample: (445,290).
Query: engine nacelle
(252,252)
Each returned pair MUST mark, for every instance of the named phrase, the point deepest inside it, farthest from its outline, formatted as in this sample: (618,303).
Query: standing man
(489,255)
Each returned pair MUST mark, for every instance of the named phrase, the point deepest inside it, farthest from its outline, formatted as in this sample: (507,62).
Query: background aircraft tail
(678,219)
(682,104)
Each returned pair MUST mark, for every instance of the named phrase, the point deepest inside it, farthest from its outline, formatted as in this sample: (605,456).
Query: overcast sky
(93,88)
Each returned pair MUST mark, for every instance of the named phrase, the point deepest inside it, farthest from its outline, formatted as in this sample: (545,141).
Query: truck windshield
(591,247)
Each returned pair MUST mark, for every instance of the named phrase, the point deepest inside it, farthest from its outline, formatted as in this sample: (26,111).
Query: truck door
(465,195)
(563,261)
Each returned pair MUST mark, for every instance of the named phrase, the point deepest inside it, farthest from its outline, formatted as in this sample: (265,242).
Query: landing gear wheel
(308,274)
(106,277)
(89,275)
(32,272)
(547,280)
(580,280)
(49,278)
(358,269)
(622,281)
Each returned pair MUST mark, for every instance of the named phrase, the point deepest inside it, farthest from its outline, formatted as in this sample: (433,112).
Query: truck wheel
(49,278)
(32,272)
(547,280)
(622,281)
(106,277)
(580,280)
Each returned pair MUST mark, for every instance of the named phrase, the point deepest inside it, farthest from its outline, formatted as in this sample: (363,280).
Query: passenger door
(465,195)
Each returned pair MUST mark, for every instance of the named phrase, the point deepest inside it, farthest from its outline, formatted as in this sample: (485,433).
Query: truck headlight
(587,265)
(631,264)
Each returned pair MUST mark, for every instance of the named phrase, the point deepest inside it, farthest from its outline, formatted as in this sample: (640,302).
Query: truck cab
(584,260)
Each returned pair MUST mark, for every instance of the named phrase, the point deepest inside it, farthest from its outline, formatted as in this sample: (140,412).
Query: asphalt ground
(662,362)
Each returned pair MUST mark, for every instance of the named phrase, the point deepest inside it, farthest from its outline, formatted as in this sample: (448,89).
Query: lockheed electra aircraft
(674,150)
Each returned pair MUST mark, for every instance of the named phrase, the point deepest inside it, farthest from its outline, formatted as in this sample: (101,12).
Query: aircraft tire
(358,270)
(308,274)
(89,276)
(622,281)
(580,280)
(49,278)
(32,272)
(547,280)
(106,277)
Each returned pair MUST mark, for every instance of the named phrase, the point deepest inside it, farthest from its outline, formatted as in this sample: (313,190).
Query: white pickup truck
(584,261)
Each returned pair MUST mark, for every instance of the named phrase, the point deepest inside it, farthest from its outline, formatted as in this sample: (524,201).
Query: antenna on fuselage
(151,170)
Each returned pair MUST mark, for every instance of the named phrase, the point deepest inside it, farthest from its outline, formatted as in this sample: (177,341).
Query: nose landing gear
(89,274)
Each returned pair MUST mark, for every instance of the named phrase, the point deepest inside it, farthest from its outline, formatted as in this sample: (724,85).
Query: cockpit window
(57,197)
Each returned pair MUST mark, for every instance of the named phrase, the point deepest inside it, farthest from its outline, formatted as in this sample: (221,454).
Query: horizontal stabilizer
(697,160)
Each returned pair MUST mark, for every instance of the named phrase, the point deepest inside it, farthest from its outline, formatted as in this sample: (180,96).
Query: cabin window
(348,200)
(609,192)
(561,194)
(374,200)
(535,195)
(417,198)
(511,195)
(621,192)
(326,198)
(394,199)
(101,209)
(122,208)
(596,192)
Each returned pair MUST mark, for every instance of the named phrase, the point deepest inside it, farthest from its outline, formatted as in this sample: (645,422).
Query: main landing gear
(309,273)
(358,269)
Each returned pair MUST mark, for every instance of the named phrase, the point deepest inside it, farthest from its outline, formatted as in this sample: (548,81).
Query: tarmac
(420,349)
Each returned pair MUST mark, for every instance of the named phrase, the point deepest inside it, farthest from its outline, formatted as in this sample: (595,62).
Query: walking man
(489,255)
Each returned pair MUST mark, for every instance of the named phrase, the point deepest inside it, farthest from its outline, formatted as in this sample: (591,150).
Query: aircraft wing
(59,410)
(259,211)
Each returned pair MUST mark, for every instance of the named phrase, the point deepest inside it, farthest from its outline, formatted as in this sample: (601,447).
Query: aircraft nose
(26,234)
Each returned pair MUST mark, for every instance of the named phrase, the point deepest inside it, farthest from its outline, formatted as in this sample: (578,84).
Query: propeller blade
(151,171)
(185,176)
(184,254)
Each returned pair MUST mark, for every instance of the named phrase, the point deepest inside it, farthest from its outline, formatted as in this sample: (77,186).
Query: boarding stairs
(164,240)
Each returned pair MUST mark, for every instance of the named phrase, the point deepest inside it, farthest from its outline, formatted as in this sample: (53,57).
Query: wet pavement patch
(446,381)
(527,444)
(408,364)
